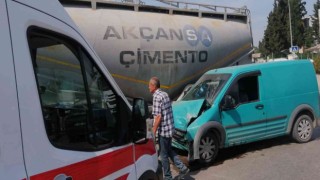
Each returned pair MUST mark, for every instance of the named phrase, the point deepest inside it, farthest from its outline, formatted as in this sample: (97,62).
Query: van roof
(50,7)
(258,66)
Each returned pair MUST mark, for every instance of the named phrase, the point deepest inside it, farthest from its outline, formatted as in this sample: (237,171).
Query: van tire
(303,129)
(208,148)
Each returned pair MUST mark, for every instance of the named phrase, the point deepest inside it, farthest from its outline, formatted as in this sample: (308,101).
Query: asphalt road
(275,159)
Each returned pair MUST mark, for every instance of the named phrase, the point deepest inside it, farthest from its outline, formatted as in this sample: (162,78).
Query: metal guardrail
(176,4)
(178,7)
(133,1)
(204,7)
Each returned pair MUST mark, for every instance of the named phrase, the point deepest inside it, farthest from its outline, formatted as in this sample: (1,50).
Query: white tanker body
(137,42)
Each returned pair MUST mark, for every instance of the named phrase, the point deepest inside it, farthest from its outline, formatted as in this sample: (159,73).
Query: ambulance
(63,116)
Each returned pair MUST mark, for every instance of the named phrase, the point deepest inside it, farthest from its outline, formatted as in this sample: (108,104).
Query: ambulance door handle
(62,177)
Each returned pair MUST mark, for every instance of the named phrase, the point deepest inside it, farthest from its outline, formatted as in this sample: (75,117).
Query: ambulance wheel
(303,129)
(149,175)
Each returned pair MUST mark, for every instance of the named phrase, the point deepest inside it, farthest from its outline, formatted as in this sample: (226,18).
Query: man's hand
(154,130)
(156,123)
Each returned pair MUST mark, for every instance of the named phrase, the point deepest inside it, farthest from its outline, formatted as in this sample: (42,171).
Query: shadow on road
(187,177)
(242,151)
(316,134)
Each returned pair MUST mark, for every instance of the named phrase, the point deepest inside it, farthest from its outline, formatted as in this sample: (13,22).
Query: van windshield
(207,87)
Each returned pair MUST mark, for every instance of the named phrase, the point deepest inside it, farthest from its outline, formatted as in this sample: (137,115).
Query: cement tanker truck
(138,41)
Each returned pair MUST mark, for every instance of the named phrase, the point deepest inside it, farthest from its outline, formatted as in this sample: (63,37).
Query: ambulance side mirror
(140,113)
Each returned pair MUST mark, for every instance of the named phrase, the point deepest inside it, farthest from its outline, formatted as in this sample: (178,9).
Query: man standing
(163,122)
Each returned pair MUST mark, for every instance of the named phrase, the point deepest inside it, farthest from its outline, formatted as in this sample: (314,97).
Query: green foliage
(277,34)
(315,22)
(309,38)
(316,64)
(298,11)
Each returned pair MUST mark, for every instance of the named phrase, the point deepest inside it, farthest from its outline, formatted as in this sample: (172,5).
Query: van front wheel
(208,148)
(303,129)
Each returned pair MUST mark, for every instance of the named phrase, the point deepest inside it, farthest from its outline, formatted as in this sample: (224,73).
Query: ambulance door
(75,123)
(146,159)
(11,156)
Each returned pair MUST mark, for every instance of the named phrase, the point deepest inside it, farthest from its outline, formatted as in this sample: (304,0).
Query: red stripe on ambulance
(148,148)
(124,177)
(101,166)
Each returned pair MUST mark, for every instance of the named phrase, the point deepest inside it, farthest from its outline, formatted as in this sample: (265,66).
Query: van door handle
(62,177)
(259,106)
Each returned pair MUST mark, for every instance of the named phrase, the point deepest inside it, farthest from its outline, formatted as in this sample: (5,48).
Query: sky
(259,9)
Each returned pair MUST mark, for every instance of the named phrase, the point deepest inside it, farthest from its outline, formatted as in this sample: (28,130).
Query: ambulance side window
(81,110)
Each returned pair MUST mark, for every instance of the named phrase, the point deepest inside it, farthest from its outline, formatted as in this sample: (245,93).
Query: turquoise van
(242,104)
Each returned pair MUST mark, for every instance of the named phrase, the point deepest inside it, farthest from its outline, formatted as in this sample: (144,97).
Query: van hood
(184,111)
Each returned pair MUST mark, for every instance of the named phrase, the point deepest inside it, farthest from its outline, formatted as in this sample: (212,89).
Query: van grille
(179,136)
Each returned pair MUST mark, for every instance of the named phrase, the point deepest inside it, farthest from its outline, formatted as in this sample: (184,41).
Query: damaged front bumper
(179,140)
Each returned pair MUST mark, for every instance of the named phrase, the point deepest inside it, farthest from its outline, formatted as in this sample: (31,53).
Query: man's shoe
(183,173)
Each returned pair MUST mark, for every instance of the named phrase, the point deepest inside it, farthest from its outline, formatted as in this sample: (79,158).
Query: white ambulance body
(62,115)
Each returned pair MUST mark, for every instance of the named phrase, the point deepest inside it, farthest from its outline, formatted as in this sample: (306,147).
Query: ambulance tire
(149,175)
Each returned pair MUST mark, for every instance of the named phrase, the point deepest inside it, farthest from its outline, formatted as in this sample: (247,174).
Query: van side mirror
(228,102)
(140,113)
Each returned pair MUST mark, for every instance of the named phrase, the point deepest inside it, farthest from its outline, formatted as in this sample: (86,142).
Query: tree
(315,22)
(309,37)
(266,41)
(277,34)
(261,48)
(298,11)
(282,37)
